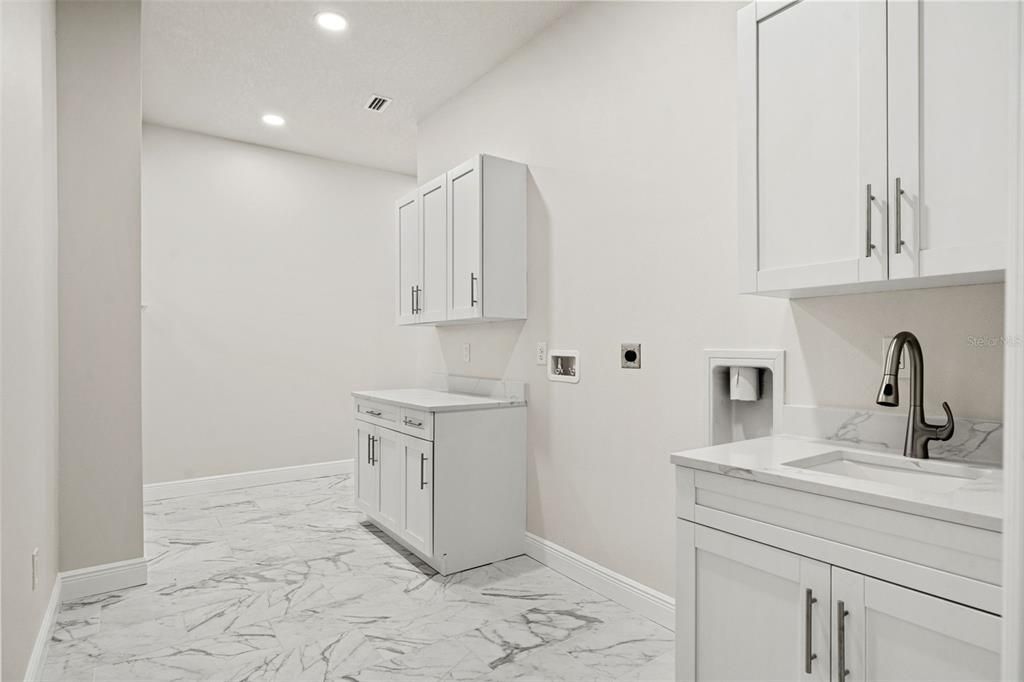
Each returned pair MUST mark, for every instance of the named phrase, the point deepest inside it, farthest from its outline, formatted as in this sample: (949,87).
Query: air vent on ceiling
(378,103)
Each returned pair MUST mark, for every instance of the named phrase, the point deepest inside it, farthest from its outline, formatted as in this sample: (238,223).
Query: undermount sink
(924,475)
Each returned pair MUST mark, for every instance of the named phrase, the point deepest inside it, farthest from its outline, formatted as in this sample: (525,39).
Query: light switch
(465,352)
(542,353)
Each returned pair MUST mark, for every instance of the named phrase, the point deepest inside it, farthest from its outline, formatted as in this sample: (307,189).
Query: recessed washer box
(564,365)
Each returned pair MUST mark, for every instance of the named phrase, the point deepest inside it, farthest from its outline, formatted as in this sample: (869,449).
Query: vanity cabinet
(449,485)
(462,245)
(877,144)
(763,613)
(780,583)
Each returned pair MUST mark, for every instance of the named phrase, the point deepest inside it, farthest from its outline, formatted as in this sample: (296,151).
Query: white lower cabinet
(451,486)
(763,613)
(417,520)
(894,633)
(367,476)
(389,460)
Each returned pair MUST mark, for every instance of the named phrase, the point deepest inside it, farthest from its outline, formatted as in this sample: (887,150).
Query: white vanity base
(764,570)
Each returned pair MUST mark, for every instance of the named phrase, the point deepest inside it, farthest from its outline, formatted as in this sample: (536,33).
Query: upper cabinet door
(812,145)
(434,235)
(894,633)
(953,87)
(821,167)
(761,612)
(465,240)
(410,258)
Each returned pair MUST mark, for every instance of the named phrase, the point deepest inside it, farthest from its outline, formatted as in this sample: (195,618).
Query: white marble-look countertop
(436,401)
(977,503)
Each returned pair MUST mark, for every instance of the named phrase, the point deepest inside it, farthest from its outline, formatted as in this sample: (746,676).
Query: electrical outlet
(35,568)
(465,352)
(629,354)
(542,353)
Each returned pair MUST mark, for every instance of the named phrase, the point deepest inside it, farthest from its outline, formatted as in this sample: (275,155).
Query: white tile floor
(286,582)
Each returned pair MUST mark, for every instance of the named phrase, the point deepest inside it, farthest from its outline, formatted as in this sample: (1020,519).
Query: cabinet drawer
(377,413)
(417,423)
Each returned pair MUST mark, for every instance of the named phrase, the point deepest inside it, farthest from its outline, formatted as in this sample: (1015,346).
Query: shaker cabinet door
(434,234)
(761,612)
(367,480)
(389,464)
(418,517)
(882,631)
(953,87)
(410,258)
(465,240)
(820,145)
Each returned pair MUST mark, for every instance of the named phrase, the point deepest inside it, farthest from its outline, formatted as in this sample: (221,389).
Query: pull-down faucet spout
(919,431)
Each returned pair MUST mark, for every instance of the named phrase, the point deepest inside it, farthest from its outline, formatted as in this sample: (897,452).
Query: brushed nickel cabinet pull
(899,220)
(368,456)
(841,614)
(809,655)
(423,462)
(373,413)
(413,422)
(472,289)
(867,219)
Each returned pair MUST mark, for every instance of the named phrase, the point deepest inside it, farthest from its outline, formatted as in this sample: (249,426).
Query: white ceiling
(216,67)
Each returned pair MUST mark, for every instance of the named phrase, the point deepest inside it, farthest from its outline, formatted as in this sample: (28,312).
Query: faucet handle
(945,432)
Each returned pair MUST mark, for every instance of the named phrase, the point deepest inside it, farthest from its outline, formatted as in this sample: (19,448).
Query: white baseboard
(85,582)
(37,660)
(647,602)
(244,479)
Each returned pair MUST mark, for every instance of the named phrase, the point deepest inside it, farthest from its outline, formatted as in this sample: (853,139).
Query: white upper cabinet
(433,218)
(410,258)
(840,100)
(465,254)
(820,145)
(469,249)
(952,134)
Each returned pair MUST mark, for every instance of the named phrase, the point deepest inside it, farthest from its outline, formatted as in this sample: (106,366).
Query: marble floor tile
(288,582)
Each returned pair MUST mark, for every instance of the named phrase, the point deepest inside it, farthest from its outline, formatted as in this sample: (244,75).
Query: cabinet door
(389,464)
(953,82)
(410,258)
(418,514)
(367,481)
(434,233)
(465,240)
(760,613)
(819,89)
(894,633)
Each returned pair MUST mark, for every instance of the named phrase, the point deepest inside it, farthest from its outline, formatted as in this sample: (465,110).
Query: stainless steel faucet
(919,432)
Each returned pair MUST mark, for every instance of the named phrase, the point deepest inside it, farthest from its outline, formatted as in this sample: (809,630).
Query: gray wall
(28,318)
(268,281)
(99,136)
(632,228)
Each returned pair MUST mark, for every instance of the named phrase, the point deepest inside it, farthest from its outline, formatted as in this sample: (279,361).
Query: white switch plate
(465,352)
(542,353)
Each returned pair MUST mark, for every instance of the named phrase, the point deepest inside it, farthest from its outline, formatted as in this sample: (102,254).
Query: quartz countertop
(436,401)
(977,503)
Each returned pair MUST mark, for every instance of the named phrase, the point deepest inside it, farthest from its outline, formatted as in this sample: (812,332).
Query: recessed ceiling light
(331,21)
(273,120)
